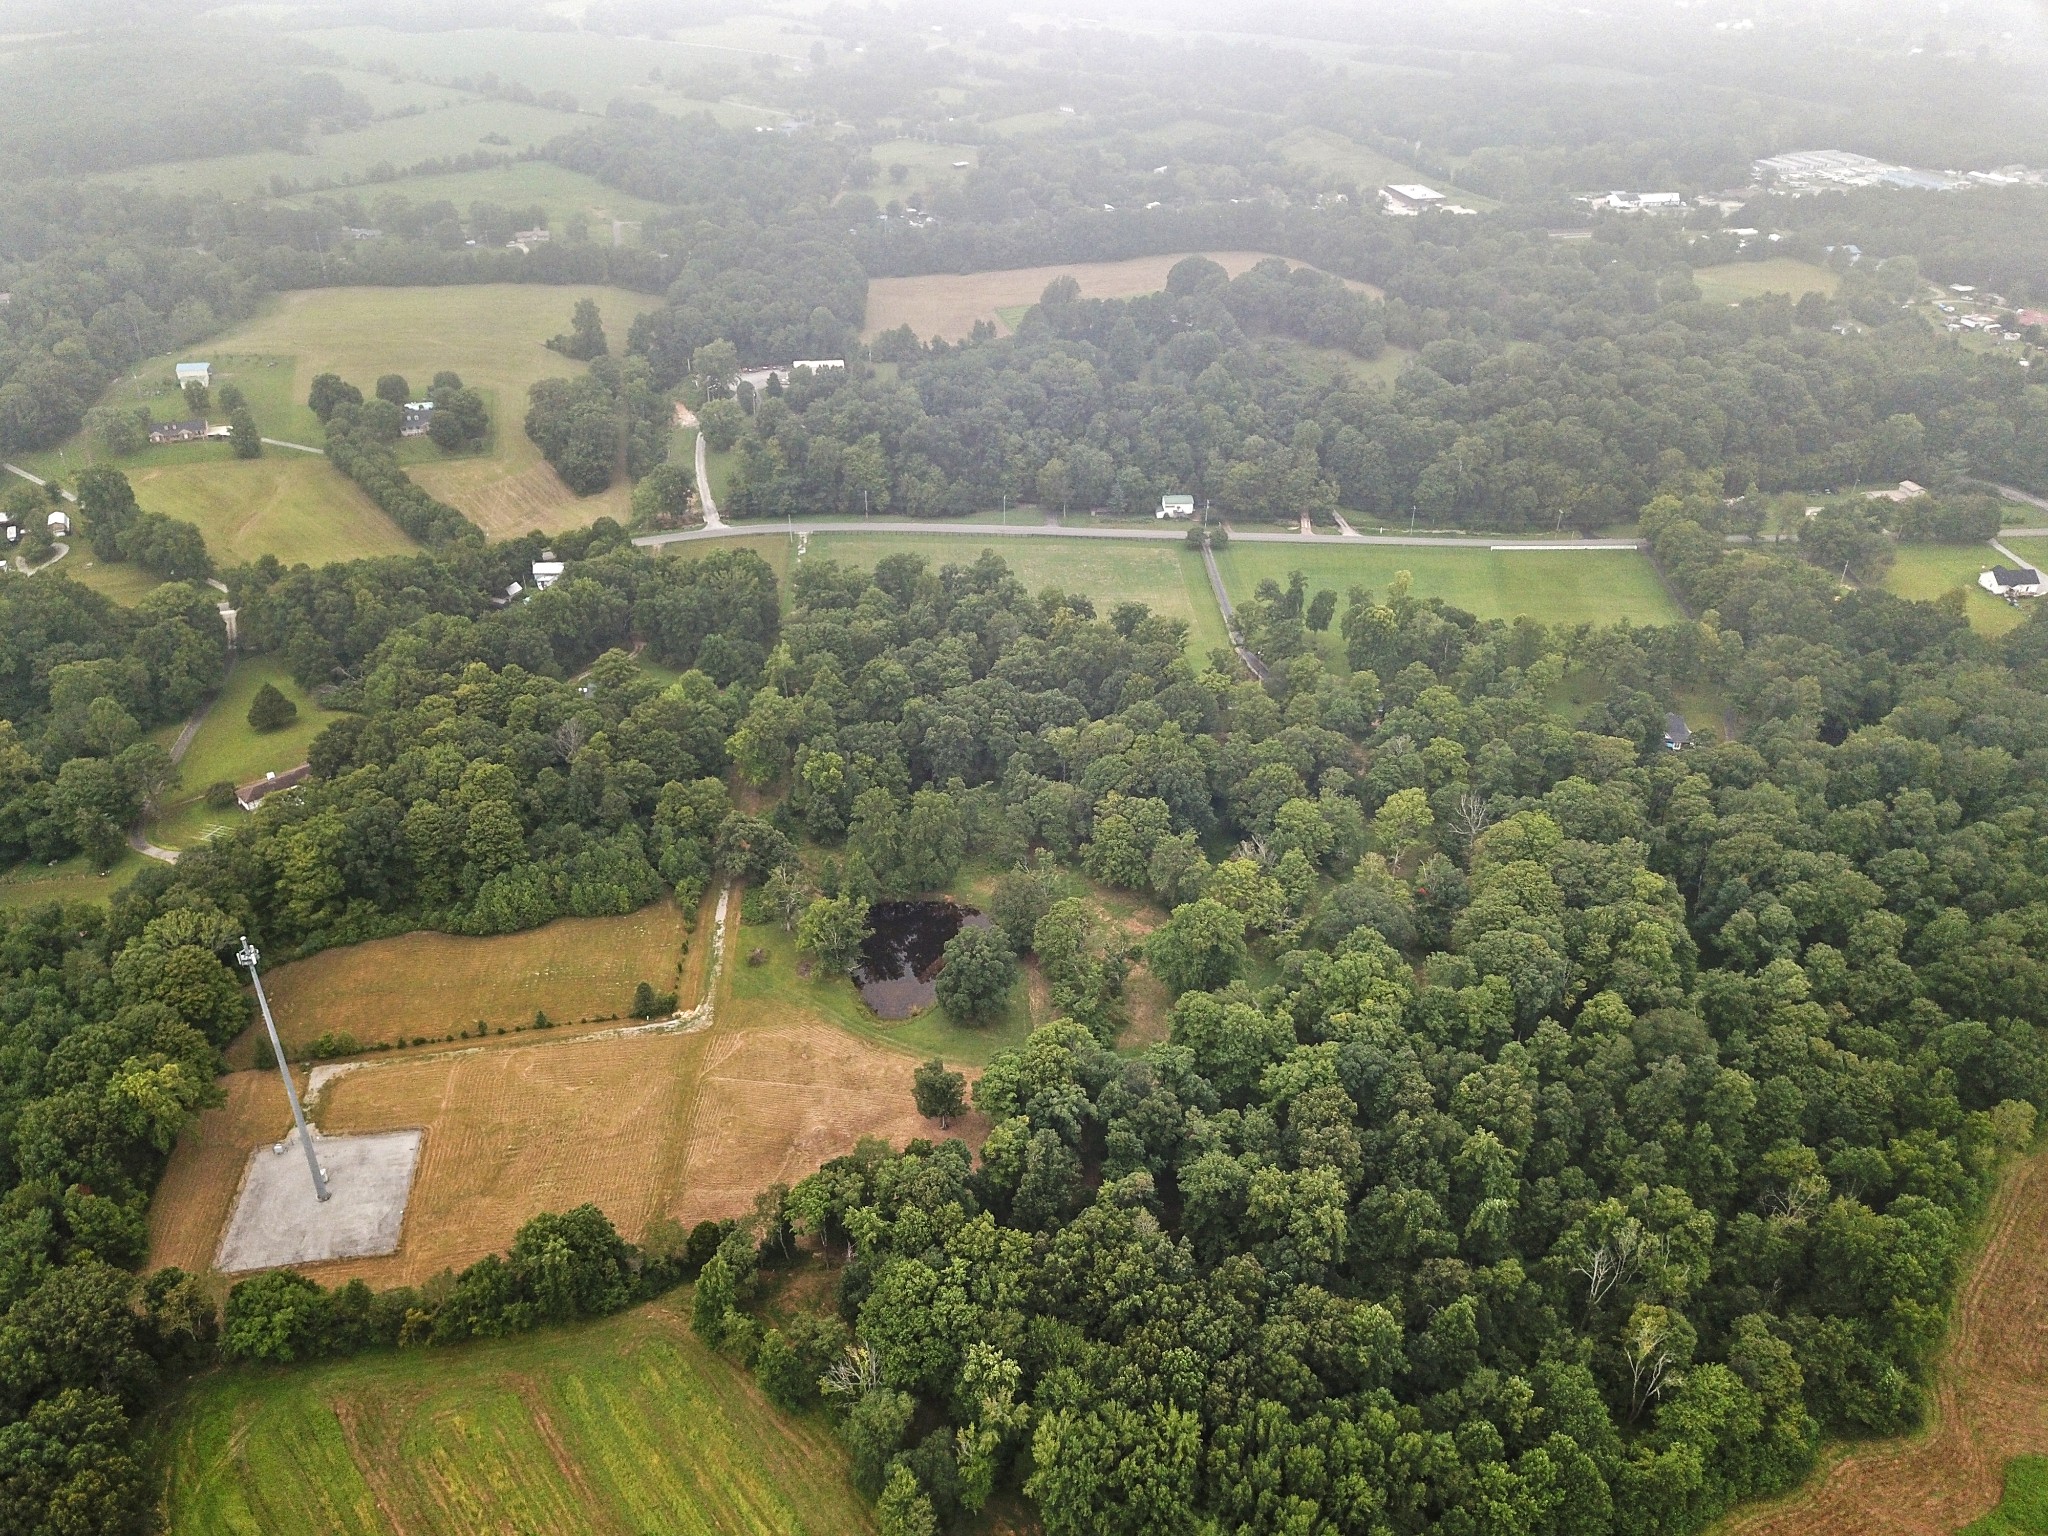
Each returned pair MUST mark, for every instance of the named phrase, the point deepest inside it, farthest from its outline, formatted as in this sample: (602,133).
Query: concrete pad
(278,1221)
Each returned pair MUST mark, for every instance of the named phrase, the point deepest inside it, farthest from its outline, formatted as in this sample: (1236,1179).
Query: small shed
(195,373)
(1677,734)
(1176,506)
(60,524)
(546,573)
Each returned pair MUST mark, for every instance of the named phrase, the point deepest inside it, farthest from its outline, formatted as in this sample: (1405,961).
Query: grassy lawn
(458,128)
(1554,586)
(1334,365)
(72,879)
(126,582)
(227,747)
(1926,571)
(1168,578)
(2024,1509)
(776,988)
(930,166)
(621,1426)
(1740,280)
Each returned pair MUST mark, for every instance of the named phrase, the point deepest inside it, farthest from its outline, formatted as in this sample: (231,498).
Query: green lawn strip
(1739,280)
(1554,586)
(1167,578)
(228,748)
(125,582)
(2024,1509)
(622,1425)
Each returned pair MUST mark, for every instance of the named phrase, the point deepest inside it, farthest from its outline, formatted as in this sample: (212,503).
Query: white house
(60,525)
(195,373)
(2013,581)
(758,377)
(1176,506)
(546,573)
(1410,197)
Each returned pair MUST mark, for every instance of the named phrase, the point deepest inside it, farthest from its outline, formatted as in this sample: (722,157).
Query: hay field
(1989,1401)
(1344,159)
(1739,280)
(558,190)
(1168,578)
(1555,586)
(691,1123)
(432,984)
(616,1427)
(947,304)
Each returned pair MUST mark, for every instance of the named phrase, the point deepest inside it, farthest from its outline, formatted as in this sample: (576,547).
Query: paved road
(278,442)
(136,840)
(1156,535)
(713,523)
(2010,493)
(62,549)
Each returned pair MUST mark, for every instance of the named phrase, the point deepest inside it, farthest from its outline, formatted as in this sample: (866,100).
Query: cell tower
(247,956)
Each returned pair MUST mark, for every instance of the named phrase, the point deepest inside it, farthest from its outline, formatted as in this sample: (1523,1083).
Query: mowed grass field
(1168,578)
(1739,280)
(618,1428)
(295,505)
(1565,586)
(1927,571)
(1338,157)
(947,304)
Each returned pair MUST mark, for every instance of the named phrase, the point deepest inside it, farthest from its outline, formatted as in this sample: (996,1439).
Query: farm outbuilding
(196,373)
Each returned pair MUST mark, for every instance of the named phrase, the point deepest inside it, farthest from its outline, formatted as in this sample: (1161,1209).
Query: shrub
(220,795)
(270,710)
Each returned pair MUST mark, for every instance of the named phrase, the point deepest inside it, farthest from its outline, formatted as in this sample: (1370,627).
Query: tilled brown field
(1990,1400)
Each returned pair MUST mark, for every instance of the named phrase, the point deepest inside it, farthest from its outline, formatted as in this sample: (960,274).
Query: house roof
(1676,731)
(2010,576)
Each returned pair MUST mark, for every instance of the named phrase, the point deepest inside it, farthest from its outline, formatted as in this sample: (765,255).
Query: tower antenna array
(247,957)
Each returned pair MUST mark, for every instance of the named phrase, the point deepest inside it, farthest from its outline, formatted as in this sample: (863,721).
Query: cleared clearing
(690,1124)
(1989,1402)
(1739,280)
(948,304)
(226,747)
(1928,571)
(618,1427)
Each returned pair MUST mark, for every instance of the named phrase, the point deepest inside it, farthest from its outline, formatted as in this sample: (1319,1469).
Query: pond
(899,963)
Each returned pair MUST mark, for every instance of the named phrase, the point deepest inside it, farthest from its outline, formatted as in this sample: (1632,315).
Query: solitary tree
(270,710)
(832,929)
(940,1094)
(585,336)
(245,435)
(392,387)
(329,391)
(979,972)
(197,400)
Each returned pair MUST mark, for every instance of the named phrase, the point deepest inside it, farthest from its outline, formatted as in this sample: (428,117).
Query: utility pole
(246,956)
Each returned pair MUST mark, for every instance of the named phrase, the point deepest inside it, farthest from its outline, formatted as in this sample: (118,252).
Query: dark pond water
(899,964)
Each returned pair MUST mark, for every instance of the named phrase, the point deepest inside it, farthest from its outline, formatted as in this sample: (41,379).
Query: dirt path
(1990,1399)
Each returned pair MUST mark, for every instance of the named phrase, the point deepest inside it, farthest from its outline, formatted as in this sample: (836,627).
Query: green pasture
(1559,587)
(559,191)
(1739,280)
(1168,578)
(2024,1509)
(1927,571)
(595,68)
(460,128)
(627,1425)
(227,747)
(125,582)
